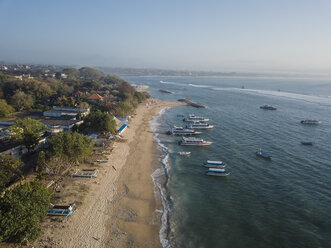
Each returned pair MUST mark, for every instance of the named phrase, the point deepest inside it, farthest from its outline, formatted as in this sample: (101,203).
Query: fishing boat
(194,142)
(217,172)
(307,143)
(311,122)
(180,131)
(268,107)
(214,164)
(193,118)
(199,125)
(263,154)
(184,153)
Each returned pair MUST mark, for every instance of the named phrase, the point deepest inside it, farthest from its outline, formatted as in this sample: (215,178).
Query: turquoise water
(285,202)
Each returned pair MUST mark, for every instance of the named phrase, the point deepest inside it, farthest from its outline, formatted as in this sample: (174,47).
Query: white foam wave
(156,176)
(200,86)
(294,96)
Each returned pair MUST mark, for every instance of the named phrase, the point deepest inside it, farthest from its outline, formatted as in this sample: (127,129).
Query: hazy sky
(233,35)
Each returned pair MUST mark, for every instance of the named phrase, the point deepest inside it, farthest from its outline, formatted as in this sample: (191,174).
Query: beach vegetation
(98,121)
(27,131)
(71,147)
(9,168)
(5,108)
(21,210)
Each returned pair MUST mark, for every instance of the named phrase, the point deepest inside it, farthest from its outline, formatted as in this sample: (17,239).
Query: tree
(9,167)
(28,131)
(21,101)
(98,121)
(70,146)
(5,109)
(126,90)
(21,210)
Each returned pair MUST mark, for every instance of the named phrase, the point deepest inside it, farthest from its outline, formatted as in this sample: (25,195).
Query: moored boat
(194,142)
(263,155)
(214,164)
(192,118)
(217,172)
(184,153)
(268,107)
(311,122)
(180,131)
(307,143)
(199,125)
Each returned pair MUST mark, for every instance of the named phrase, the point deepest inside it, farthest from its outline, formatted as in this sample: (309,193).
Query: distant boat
(243,87)
(311,122)
(214,164)
(263,155)
(217,172)
(194,142)
(307,143)
(184,153)
(268,107)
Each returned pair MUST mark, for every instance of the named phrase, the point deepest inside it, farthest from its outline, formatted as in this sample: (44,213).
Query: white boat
(192,118)
(194,142)
(199,125)
(180,131)
(214,164)
(311,122)
(184,153)
(217,172)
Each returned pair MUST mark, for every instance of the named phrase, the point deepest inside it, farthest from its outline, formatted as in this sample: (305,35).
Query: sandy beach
(119,207)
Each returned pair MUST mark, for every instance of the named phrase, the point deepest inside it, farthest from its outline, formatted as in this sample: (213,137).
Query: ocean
(285,202)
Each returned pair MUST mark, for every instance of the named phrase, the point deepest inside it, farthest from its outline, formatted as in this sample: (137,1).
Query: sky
(233,35)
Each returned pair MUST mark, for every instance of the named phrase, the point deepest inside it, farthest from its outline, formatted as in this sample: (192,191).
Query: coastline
(121,208)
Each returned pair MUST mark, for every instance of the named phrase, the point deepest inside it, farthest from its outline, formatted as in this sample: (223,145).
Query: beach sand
(119,208)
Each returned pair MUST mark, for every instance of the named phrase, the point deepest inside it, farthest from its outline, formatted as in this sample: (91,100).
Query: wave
(174,83)
(159,174)
(294,96)
(200,86)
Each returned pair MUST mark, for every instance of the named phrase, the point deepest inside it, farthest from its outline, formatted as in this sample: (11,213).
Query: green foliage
(72,73)
(98,121)
(9,167)
(21,210)
(28,131)
(113,80)
(88,73)
(5,109)
(70,146)
(22,101)
(126,90)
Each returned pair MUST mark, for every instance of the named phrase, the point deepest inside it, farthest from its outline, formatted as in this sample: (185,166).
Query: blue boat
(307,143)
(263,154)
(214,164)
(217,172)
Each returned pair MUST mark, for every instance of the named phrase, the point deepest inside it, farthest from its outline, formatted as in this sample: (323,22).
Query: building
(122,129)
(66,112)
(95,97)
(60,125)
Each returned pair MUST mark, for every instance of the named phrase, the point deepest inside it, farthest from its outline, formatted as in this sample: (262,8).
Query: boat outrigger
(199,125)
(263,155)
(184,153)
(194,142)
(214,164)
(217,172)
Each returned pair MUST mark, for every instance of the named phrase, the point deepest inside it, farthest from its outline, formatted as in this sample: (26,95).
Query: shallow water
(285,202)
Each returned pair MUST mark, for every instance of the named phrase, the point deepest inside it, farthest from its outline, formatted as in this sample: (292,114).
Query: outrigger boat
(192,118)
(268,107)
(184,153)
(263,155)
(311,122)
(214,164)
(194,142)
(180,131)
(217,172)
(199,125)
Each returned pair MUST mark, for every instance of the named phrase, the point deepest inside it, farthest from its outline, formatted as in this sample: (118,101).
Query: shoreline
(121,208)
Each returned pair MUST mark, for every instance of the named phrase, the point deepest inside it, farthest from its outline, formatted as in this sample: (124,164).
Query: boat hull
(218,174)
